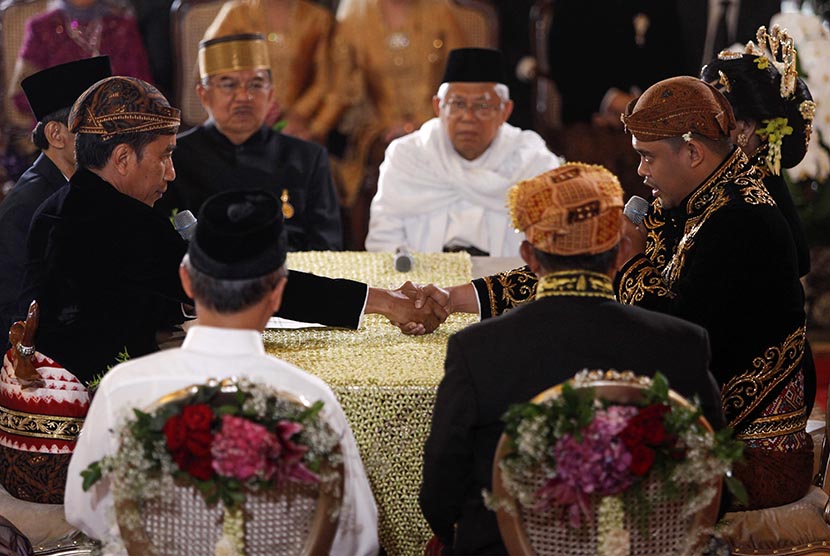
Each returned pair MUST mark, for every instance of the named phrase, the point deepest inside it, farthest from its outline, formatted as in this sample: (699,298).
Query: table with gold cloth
(385,380)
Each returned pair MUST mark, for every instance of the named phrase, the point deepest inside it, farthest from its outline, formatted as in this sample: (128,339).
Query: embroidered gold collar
(580,283)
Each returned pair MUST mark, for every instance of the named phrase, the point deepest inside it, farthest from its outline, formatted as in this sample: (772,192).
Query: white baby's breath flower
(802,27)
(815,165)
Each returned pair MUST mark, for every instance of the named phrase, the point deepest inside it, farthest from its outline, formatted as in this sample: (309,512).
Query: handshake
(419,309)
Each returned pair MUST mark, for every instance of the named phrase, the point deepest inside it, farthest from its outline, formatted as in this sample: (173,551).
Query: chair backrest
(479,19)
(287,518)
(529,531)
(13,16)
(190,19)
(547,103)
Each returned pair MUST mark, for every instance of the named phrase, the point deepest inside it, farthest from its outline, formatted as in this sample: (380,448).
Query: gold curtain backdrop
(384,380)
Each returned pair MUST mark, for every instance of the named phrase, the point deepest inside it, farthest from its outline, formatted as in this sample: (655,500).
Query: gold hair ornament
(773,40)
(807,109)
(724,80)
(773,134)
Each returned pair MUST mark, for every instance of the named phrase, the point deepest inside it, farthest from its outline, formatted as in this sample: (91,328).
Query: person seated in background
(102,262)
(298,34)
(73,30)
(50,105)
(571,218)
(443,187)
(234,148)
(388,57)
(235,272)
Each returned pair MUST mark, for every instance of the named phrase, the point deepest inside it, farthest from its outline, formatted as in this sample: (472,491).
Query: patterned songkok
(233,53)
(676,106)
(572,210)
(118,105)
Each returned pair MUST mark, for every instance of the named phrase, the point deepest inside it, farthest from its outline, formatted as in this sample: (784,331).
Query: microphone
(185,224)
(636,209)
(404,261)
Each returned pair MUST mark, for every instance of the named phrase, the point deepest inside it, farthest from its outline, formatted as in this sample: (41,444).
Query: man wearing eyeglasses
(443,187)
(235,149)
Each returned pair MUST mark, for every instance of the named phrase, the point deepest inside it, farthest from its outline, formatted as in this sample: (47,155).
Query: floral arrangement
(810,179)
(590,453)
(227,439)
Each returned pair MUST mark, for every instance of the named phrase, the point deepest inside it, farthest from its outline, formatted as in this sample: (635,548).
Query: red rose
(197,417)
(642,459)
(200,467)
(651,418)
(633,433)
(198,442)
(174,431)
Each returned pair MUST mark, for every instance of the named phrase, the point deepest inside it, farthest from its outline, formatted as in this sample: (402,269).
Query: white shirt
(209,352)
(429,196)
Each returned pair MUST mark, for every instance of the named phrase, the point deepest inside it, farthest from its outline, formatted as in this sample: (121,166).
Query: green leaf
(91,475)
(737,489)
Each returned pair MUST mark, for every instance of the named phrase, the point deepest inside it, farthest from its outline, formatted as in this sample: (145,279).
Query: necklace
(87,37)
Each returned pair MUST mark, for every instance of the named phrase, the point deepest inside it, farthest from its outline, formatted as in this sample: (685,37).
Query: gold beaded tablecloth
(385,381)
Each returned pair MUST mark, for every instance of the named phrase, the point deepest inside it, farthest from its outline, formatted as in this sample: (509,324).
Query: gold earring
(742,140)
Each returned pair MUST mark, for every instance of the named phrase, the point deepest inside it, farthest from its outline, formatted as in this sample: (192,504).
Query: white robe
(430,197)
(209,352)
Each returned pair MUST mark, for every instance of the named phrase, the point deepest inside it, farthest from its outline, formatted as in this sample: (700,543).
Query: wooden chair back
(479,19)
(526,531)
(13,16)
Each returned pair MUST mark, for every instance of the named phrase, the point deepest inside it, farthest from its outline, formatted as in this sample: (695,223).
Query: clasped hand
(419,309)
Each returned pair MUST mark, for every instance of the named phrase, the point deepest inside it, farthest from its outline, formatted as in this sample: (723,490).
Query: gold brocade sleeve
(501,292)
(638,281)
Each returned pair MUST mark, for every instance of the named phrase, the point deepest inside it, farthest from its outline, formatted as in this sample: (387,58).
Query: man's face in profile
(471,114)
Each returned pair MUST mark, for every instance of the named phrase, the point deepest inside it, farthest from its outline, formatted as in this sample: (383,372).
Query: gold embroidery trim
(711,197)
(775,425)
(579,283)
(641,279)
(745,392)
(35,425)
(517,286)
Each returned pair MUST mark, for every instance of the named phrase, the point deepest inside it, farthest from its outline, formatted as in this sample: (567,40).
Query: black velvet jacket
(206,162)
(104,269)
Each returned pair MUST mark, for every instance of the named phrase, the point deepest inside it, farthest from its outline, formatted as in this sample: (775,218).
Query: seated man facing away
(102,262)
(235,272)
(234,149)
(443,186)
(50,172)
(572,220)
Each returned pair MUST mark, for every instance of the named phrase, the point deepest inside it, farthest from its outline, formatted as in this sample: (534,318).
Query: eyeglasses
(252,87)
(481,110)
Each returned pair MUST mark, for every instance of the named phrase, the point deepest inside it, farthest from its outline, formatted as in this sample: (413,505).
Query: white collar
(223,341)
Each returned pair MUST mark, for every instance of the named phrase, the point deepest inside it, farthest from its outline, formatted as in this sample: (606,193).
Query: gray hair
(230,296)
(501,89)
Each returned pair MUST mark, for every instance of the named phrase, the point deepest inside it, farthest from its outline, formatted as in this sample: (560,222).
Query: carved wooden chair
(479,20)
(13,16)
(528,531)
(289,518)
